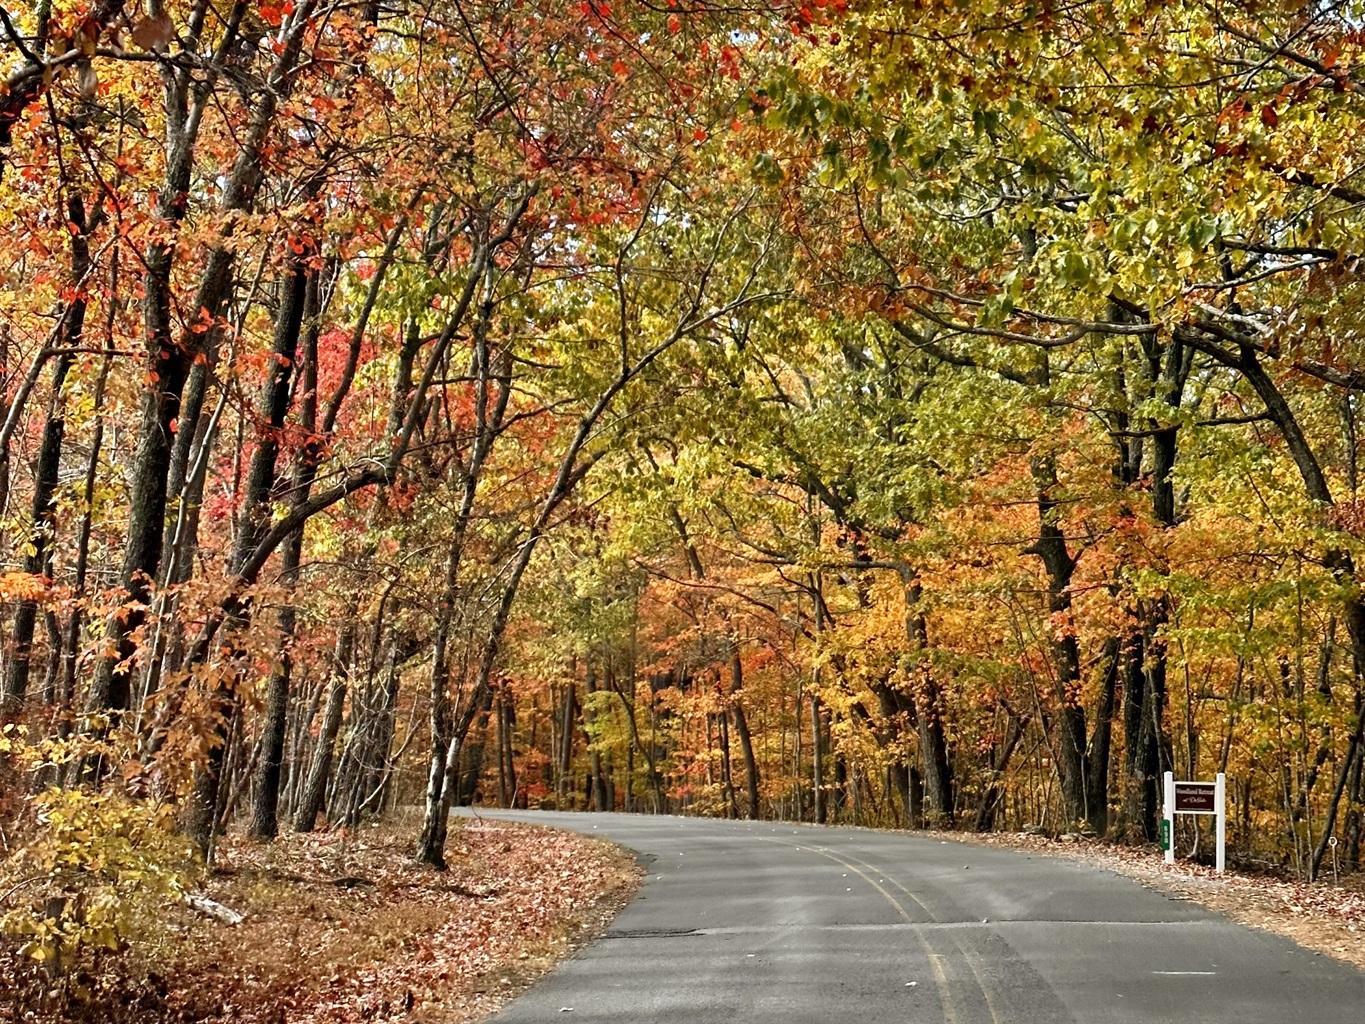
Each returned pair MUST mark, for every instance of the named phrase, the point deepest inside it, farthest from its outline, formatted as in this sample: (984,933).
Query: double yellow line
(935,958)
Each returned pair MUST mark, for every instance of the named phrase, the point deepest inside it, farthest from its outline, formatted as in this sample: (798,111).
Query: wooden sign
(1196,798)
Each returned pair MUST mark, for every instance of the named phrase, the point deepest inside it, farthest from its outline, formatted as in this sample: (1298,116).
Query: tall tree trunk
(564,756)
(1097,756)
(260,486)
(169,361)
(746,740)
(597,781)
(727,781)
(269,765)
(507,751)
(817,760)
(1140,755)
(439,713)
(1068,725)
(505,783)
(68,337)
(319,770)
(265,806)
(44,523)
(472,755)
(377,752)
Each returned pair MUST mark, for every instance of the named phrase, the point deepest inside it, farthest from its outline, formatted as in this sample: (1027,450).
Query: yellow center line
(935,959)
(970,957)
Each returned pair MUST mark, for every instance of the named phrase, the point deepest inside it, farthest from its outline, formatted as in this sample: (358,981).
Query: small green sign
(1165,834)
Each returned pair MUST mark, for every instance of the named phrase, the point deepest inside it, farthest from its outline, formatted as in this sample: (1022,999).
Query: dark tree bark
(1068,725)
(746,740)
(319,770)
(1167,370)
(472,755)
(1141,755)
(935,759)
(1101,736)
(505,710)
(37,558)
(260,485)
(817,760)
(169,361)
(379,756)
(727,781)
(564,756)
(265,805)
(598,784)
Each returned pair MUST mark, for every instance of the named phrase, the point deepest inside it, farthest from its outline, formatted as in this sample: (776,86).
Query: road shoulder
(1324,917)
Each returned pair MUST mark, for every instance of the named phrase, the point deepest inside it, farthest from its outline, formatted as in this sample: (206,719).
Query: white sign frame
(1220,802)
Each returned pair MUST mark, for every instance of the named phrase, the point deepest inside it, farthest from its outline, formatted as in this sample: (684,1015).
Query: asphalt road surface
(749,923)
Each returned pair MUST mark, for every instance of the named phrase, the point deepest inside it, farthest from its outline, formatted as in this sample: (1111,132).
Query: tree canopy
(894,413)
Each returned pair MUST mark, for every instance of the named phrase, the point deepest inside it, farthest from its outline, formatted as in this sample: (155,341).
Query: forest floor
(1326,917)
(345,927)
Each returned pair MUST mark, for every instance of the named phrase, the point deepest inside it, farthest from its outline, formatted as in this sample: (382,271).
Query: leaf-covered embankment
(346,927)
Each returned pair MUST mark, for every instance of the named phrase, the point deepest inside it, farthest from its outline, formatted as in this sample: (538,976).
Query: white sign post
(1194,798)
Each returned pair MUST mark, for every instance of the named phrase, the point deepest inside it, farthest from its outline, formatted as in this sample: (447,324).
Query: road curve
(757,922)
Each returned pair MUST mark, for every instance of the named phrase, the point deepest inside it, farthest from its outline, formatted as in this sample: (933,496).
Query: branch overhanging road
(756,922)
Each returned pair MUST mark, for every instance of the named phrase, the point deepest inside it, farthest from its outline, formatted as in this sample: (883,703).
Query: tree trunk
(1097,756)
(472,756)
(378,748)
(315,788)
(1333,805)
(45,478)
(817,760)
(1069,717)
(1140,755)
(261,480)
(727,781)
(168,362)
(265,807)
(746,741)
(564,756)
(597,781)
(36,558)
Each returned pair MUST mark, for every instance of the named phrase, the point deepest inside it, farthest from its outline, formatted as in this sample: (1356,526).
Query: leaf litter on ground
(343,927)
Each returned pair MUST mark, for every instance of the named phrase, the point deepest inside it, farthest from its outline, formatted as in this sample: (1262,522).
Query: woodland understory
(340,926)
(910,414)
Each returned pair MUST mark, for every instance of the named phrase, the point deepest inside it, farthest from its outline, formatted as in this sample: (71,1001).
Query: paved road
(749,923)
